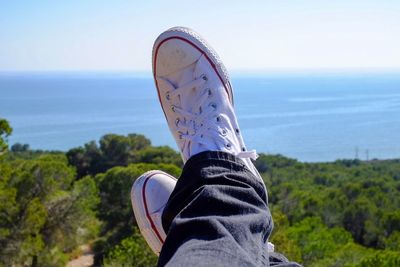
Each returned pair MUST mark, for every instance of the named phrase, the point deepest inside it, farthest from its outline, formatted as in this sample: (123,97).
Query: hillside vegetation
(343,213)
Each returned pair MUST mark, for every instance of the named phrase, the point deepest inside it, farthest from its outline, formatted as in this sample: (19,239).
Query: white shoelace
(202,123)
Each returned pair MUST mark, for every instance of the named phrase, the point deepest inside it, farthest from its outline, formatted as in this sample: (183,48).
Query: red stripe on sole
(153,226)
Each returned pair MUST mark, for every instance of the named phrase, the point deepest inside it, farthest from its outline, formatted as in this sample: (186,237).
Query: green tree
(393,241)
(115,185)
(280,237)
(392,221)
(359,217)
(87,160)
(158,155)
(46,214)
(350,254)
(119,150)
(131,251)
(18,147)
(316,240)
(382,259)
(5,131)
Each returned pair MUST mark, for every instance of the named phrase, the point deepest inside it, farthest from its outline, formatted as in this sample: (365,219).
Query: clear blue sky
(249,35)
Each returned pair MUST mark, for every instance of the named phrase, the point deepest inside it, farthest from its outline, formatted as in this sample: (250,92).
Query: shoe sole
(194,39)
(152,235)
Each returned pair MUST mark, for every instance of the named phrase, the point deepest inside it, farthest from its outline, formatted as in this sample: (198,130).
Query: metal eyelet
(228,146)
(209,92)
(177,121)
(213,105)
(237,131)
(167,96)
(204,77)
(243,149)
(173,108)
(223,132)
(201,136)
(218,118)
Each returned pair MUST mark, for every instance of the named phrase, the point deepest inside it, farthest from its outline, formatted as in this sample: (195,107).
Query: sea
(312,117)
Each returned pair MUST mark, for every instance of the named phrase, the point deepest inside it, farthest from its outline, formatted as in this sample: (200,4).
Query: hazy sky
(249,35)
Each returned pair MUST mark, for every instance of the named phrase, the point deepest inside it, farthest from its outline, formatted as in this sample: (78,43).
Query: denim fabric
(218,215)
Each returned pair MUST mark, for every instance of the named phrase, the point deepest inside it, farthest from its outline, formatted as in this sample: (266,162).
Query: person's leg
(218,215)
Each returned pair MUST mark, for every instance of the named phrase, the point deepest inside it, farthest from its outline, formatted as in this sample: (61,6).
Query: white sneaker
(149,195)
(196,96)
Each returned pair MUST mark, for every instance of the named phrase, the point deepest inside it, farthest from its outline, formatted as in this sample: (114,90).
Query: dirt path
(85,260)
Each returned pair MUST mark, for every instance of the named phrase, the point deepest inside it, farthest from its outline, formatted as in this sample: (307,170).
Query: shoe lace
(202,122)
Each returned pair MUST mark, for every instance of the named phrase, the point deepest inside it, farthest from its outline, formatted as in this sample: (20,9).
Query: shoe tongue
(187,74)
(181,78)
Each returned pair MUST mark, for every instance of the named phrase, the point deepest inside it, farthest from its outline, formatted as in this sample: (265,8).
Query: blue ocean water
(311,117)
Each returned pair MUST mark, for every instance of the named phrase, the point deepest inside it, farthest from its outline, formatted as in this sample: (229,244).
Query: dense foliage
(333,214)
(44,210)
(343,213)
(118,150)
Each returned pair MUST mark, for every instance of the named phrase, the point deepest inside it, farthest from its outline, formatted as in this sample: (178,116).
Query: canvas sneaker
(149,196)
(196,96)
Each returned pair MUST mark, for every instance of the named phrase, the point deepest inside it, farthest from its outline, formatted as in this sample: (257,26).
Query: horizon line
(233,73)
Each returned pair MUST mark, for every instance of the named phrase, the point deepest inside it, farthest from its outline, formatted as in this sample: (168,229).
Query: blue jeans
(218,215)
